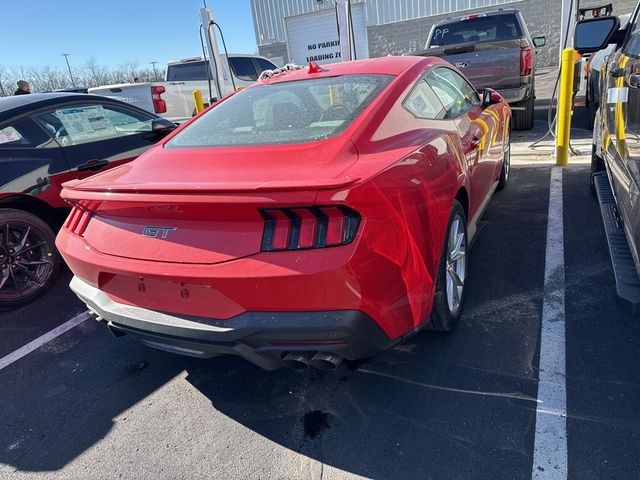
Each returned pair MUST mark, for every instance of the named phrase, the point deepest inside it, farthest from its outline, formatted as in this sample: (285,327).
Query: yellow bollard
(197,98)
(565,107)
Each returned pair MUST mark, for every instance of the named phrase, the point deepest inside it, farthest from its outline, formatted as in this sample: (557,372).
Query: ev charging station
(220,87)
(565,92)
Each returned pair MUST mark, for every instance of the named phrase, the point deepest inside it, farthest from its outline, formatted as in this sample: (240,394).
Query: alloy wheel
(506,157)
(456,266)
(25,260)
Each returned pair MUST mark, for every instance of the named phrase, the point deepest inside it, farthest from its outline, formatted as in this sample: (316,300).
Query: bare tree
(4,87)
(91,74)
(94,75)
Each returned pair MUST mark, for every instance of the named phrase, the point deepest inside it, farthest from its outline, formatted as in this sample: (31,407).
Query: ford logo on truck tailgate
(461,65)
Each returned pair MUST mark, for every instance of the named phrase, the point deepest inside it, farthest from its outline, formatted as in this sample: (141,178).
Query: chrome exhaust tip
(325,361)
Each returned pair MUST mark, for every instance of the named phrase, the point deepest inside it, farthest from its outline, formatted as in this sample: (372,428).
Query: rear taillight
(526,61)
(80,216)
(308,227)
(159,105)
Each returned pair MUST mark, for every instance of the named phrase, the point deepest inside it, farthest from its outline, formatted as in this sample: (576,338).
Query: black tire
(597,165)
(506,162)
(25,273)
(523,119)
(444,318)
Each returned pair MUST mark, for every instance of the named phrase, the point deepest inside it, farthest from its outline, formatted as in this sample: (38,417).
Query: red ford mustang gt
(320,214)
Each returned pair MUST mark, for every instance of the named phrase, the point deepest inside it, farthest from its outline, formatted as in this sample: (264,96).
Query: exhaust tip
(325,361)
(296,360)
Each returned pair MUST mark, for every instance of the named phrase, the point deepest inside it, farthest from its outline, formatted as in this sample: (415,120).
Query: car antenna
(314,67)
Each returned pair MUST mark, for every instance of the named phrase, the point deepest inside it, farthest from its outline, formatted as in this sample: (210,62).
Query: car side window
(11,137)
(79,124)
(243,68)
(455,93)
(264,65)
(632,46)
(423,102)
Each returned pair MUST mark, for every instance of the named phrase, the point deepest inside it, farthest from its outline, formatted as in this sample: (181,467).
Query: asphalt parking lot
(440,406)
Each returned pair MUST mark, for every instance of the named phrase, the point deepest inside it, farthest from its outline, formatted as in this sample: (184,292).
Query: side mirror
(539,42)
(162,125)
(490,97)
(594,34)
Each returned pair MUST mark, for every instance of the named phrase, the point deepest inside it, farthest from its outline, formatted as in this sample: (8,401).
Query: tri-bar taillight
(80,215)
(301,228)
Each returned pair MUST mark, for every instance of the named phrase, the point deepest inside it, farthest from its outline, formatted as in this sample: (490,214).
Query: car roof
(20,104)
(200,59)
(490,13)
(391,65)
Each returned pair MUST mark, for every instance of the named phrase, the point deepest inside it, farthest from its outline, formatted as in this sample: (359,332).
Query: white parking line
(40,341)
(550,446)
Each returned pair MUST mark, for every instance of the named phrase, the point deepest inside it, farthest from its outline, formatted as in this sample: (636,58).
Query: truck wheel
(29,260)
(452,273)
(597,165)
(523,119)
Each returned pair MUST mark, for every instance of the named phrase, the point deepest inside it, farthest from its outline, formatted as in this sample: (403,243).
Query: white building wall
(269,15)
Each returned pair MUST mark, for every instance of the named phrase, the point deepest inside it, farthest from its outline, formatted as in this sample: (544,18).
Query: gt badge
(155,232)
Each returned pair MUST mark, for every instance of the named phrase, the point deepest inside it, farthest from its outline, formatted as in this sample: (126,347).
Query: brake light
(526,61)
(308,227)
(80,216)
(159,105)
(474,16)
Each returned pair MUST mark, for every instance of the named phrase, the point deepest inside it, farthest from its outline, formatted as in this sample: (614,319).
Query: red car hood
(315,165)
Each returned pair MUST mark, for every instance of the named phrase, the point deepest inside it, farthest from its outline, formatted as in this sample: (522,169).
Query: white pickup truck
(173,98)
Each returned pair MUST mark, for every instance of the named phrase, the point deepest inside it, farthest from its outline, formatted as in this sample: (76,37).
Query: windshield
(480,29)
(288,112)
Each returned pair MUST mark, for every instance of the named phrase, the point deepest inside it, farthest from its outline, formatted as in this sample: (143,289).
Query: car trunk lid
(202,205)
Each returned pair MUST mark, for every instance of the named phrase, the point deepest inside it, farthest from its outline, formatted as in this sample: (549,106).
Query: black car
(615,163)
(45,140)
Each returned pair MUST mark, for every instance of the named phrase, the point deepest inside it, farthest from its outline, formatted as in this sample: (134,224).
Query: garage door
(314,36)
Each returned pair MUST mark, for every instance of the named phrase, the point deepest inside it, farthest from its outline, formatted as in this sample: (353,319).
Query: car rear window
(184,72)
(288,112)
(477,29)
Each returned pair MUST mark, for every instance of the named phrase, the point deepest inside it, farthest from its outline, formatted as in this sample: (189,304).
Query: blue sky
(34,33)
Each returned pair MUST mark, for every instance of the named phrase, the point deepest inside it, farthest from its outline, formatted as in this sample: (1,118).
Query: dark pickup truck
(615,162)
(492,49)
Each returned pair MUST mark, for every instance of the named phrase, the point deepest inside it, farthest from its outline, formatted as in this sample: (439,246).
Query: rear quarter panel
(405,210)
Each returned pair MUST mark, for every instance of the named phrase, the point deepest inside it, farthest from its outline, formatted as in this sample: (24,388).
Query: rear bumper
(516,95)
(259,337)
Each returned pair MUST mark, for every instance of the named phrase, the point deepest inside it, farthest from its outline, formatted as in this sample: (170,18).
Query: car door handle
(93,165)
(634,80)
(616,72)
(475,140)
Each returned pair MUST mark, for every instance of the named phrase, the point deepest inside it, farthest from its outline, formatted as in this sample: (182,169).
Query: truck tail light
(80,216)
(526,61)
(159,105)
(308,227)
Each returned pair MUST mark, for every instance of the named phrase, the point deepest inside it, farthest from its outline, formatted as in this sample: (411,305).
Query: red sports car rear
(312,217)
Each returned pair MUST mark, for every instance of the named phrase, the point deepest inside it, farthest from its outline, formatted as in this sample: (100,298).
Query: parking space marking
(43,339)
(550,445)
